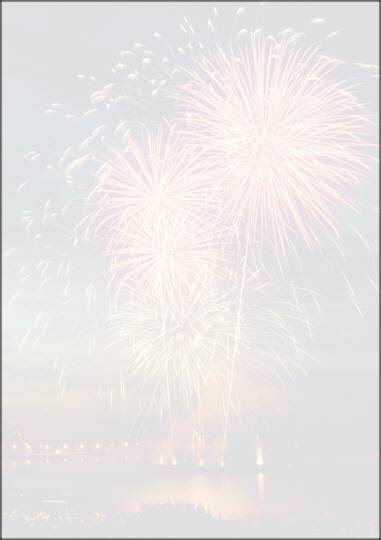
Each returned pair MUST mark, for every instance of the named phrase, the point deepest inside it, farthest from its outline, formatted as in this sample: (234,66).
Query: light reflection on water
(336,495)
(223,495)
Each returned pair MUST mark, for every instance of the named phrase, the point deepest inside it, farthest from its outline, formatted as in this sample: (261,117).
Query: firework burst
(152,206)
(286,140)
(177,350)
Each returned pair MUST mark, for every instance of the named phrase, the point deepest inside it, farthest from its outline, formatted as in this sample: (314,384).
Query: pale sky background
(45,46)
(327,418)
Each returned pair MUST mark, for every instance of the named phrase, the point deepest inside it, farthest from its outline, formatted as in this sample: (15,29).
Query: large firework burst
(286,140)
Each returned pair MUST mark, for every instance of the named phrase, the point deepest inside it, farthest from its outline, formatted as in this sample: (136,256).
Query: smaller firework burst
(151,205)
(177,350)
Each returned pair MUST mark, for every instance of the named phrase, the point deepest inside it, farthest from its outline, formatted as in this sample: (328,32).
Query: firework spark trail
(237,332)
(271,324)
